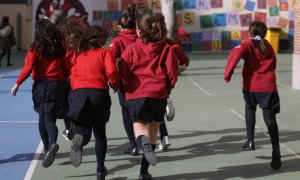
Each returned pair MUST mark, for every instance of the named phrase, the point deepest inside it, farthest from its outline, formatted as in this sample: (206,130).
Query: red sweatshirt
(42,69)
(119,43)
(259,69)
(148,70)
(94,69)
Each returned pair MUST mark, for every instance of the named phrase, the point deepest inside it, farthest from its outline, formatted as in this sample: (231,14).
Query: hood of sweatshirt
(269,53)
(129,34)
(151,49)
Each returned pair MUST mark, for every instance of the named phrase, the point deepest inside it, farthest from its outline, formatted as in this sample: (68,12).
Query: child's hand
(227,80)
(14,90)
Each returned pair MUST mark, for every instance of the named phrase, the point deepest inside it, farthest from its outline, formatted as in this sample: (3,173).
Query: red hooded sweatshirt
(41,68)
(119,43)
(148,70)
(259,69)
(94,69)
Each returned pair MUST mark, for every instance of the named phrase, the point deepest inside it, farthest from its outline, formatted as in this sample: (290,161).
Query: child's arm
(235,56)
(111,70)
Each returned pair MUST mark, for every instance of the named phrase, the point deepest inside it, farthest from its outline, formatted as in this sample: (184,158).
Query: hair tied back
(257,38)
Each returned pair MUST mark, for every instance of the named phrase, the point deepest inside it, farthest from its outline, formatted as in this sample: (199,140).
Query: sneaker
(101,176)
(68,135)
(248,146)
(145,176)
(76,150)
(50,155)
(276,159)
(133,151)
(164,144)
(148,151)
(170,110)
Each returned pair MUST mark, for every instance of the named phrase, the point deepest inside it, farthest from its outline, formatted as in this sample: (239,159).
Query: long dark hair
(94,37)
(128,19)
(72,29)
(48,41)
(5,22)
(151,29)
(258,31)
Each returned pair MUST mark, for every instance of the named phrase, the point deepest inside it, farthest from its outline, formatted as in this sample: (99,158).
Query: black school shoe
(101,176)
(50,155)
(145,176)
(276,159)
(249,146)
(76,150)
(132,151)
(148,151)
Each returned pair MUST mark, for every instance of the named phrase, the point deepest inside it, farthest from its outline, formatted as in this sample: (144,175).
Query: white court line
(34,162)
(18,121)
(267,134)
(201,88)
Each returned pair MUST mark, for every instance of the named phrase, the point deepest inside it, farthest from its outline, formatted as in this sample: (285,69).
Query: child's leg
(8,56)
(270,120)
(128,125)
(163,130)
(43,132)
(2,54)
(250,122)
(100,146)
(50,124)
(164,137)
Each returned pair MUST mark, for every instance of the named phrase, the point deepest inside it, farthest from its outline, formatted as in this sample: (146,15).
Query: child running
(149,71)
(259,85)
(71,29)
(127,35)
(45,61)
(93,71)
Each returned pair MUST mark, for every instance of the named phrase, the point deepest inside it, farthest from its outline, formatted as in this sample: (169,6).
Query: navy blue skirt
(89,106)
(48,97)
(265,100)
(147,109)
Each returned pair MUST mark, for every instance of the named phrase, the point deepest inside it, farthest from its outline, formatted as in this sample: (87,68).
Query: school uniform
(149,73)
(91,73)
(48,92)
(259,85)
(117,46)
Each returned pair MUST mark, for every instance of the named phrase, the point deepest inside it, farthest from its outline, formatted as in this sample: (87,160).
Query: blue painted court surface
(206,135)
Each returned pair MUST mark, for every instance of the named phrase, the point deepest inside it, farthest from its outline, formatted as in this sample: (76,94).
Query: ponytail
(258,31)
(259,44)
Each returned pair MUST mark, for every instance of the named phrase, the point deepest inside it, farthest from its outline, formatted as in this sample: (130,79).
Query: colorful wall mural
(214,25)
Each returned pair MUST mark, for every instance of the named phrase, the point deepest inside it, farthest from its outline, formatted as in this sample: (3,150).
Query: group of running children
(72,73)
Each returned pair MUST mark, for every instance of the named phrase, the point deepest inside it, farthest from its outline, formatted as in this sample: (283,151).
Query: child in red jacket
(149,71)
(71,29)
(44,61)
(127,35)
(93,71)
(259,85)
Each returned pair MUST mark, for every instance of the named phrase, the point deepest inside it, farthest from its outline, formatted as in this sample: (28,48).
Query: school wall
(25,11)
(215,25)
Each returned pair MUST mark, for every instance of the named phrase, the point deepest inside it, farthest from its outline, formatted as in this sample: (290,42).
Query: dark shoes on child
(76,150)
(145,176)
(249,146)
(148,151)
(133,151)
(50,155)
(276,159)
(101,176)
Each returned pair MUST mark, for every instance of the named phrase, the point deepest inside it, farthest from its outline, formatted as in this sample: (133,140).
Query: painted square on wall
(272,2)
(189,4)
(233,18)
(235,35)
(116,15)
(291,24)
(141,4)
(244,35)
(261,4)
(271,21)
(260,16)
(187,19)
(179,5)
(155,4)
(250,5)
(206,45)
(216,45)
(202,4)
(219,19)
(206,35)
(246,19)
(124,3)
(216,35)
(197,37)
(235,43)
(283,6)
(226,45)
(206,21)
(273,11)
(112,5)
(216,3)
(238,5)
(226,35)
(282,22)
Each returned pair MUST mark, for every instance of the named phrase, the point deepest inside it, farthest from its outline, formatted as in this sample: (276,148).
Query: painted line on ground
(18,121)
(267,134)
(34,162)
(199,87)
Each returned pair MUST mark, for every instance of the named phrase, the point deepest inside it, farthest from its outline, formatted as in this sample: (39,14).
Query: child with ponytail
(259,85)
(127,35)
(149,71)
